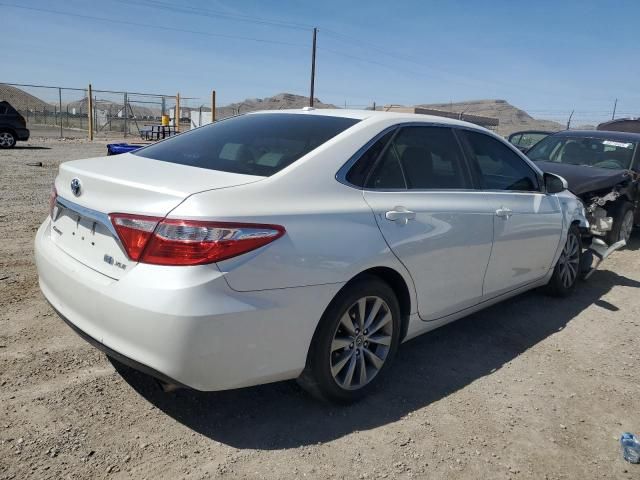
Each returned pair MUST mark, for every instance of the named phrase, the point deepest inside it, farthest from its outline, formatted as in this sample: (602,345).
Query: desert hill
(511,118)
(23,101)
(280,101)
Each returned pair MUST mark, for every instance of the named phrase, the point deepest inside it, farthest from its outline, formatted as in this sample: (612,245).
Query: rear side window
(421,158)
(387,174)
(499,167)
(357,175)
(259,144)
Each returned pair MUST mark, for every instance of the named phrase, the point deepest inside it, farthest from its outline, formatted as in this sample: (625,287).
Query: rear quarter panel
(330,237)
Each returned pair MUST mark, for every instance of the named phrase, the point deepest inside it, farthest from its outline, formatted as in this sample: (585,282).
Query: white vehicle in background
(299,244)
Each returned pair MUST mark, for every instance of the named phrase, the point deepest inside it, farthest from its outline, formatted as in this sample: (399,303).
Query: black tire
(7,139)
(560,285)
(317,378)
(618,231)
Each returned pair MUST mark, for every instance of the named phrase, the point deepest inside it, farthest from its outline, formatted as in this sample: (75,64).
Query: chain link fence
(63,112)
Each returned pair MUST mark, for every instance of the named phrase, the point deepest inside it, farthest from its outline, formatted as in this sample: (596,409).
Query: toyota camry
(300,244)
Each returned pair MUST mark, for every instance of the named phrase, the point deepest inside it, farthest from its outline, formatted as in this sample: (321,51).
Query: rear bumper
(184,325)
(22,134)
(117,355)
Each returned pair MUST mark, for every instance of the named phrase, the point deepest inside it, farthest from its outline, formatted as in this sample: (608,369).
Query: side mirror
(554,183)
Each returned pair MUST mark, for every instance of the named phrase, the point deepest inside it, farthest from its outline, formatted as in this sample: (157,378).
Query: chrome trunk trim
(98,217)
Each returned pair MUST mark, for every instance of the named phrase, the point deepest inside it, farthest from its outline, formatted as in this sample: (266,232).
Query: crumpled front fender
(573,210)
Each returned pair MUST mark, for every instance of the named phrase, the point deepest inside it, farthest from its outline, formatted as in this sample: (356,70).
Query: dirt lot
(533,388)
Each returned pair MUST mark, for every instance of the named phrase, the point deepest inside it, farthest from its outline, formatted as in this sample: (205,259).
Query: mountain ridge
(511,118)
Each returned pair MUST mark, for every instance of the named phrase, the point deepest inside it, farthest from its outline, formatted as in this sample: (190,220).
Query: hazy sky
(547,57)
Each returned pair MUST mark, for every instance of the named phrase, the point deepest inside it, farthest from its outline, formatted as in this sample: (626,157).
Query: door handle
(400,215)
(504,212)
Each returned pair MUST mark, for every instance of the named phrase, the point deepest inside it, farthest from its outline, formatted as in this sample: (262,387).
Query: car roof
(602,134)
(531,131)
(373,114)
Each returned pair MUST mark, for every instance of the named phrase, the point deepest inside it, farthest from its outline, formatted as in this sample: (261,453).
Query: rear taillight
(53,197)
(134,232)
(189,242)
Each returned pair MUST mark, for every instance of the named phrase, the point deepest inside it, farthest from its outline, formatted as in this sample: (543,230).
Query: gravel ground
(535,387)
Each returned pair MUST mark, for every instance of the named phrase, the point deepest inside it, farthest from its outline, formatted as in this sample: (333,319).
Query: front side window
(499,167)
(430,158)
(255,144)
(419,158)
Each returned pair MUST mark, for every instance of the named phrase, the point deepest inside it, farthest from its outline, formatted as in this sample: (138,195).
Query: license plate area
(90,242)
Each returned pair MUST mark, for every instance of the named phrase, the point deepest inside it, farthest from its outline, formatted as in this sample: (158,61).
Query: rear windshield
(6,108)
(260,144)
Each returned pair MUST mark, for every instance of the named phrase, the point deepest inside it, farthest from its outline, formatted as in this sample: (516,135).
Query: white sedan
(299,244)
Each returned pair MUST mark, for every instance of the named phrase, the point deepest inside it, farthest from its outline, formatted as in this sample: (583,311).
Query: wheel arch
(399,286)
(10,130)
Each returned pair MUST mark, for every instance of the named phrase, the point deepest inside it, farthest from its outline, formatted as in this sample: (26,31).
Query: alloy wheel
(6,140)
(361,343)
(569,261)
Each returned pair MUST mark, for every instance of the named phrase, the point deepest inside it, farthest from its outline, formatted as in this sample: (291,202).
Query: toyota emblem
(75,187)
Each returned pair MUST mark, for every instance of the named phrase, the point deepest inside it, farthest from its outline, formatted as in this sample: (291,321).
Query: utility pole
(313,67)
(615,104)
(569,121)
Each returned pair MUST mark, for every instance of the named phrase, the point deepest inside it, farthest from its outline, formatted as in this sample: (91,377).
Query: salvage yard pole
(213,107)
(125,114)
(569,121)
(90,112)
(177,113)
(60,103)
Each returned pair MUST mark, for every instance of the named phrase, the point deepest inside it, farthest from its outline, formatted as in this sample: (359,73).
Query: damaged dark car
(602,168)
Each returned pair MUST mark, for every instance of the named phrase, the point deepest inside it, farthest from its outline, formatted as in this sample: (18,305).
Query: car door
(421,193)
(527,222)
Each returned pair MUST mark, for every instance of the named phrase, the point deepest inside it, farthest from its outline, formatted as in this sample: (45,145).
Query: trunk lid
(121,184)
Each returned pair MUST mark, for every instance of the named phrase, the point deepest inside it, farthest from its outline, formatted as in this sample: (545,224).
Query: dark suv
(13,126)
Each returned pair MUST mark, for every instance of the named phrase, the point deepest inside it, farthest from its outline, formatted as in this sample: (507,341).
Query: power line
(189,10)
(350,39)
(148,25)
(467,80)
(366,60)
